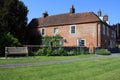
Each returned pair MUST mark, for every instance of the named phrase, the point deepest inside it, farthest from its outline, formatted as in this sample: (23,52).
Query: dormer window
(72,29)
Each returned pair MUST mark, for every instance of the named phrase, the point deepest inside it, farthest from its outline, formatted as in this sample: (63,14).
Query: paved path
(54,62)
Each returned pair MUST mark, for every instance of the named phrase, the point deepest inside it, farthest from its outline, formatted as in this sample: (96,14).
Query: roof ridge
(68,18)
(65,14)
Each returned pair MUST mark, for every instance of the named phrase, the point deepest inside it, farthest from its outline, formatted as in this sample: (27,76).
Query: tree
(7,40)
(13,18)
(13,21)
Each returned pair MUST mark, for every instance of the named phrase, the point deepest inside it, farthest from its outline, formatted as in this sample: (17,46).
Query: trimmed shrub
(59,51)
(49,51)
(71,53)
(103,52)
(41,52)
(62,52)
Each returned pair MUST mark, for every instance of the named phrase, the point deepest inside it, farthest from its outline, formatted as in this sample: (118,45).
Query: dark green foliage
(48,51)
(46,40)
(7,40)
(34,39)
(13,18)
(13,21)
(44,52)
(71,53)
(41,52)
(53,41)
(59,52)
(102,52)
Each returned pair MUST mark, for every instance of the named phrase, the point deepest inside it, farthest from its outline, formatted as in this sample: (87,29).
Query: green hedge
(103,52)
(57,52)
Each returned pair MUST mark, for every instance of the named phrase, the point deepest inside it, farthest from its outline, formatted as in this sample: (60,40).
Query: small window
(81,42)
(72,29)
(56,31)
(104,29)
(113,34)
(107,31)
(43,31)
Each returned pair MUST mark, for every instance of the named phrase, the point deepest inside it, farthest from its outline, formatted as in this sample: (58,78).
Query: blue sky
(37,7)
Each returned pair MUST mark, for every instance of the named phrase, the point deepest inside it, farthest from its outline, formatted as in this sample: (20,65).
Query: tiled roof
(68,18)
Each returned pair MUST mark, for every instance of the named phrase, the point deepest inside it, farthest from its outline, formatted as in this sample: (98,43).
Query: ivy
(49,40)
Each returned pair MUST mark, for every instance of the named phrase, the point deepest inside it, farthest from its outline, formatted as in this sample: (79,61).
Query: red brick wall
(83,31)
(92,33)
(105,39)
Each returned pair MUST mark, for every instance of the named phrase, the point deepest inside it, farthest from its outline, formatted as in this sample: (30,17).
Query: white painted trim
(81,39)
(44,31)
(55,33)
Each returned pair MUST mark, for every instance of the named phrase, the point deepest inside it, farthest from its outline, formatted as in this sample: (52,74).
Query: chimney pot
(45,14)
(99,13)
(72,9)
(105,17)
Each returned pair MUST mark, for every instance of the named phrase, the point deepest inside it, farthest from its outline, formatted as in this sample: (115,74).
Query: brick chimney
(99,13)
(45,14)
(72,9)
(105,17)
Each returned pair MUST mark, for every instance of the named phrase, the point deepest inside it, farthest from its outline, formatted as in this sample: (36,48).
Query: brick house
(77,29)
(117,28)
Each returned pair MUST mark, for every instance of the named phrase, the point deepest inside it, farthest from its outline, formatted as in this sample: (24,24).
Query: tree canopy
(13,22)
(13,18)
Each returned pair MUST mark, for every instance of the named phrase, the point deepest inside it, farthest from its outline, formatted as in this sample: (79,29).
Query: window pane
(72,29)
(81,42)
(55,31)
(43,31)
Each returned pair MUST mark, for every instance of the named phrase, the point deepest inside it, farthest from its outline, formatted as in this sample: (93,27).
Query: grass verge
(39,59)
(95,69)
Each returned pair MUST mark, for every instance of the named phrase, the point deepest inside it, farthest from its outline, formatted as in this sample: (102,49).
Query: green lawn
(95,69)
(39,59)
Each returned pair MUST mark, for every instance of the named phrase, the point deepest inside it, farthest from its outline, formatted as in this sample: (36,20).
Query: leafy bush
(49,51)
(102,52)
(46,40)
(7,40)
(32,53)
(53,41)
(41,52)
(55,53)
(71,53)
(58,52)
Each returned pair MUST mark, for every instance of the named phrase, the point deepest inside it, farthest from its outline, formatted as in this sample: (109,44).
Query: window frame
(78,41)
(42,33)
(71,29)
(104,29)
(56,29)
